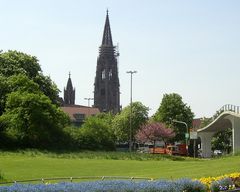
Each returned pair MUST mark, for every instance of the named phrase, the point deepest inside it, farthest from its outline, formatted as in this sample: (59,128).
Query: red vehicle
(179,149)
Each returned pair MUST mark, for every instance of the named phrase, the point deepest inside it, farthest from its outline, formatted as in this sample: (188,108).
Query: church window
(110,74)
(103,74)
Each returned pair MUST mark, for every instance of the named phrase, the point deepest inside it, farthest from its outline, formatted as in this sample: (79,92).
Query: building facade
(106,86)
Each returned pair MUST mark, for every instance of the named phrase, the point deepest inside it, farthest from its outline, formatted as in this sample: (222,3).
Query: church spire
(107,36)
(106,86)
(69,92)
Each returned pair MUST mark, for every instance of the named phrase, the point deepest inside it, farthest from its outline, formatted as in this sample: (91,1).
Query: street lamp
(88,100)
(130,131)
(187,134)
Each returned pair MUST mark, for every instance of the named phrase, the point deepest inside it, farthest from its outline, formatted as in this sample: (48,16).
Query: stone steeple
(69,92)
(106,86)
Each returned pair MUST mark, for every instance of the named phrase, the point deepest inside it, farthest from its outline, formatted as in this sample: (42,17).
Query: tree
(28,110)
(172,107)
(29,116)
(16,63)
(96,134)
(222,140)
(153,132)
(121,122)
(33,120)
(4,90)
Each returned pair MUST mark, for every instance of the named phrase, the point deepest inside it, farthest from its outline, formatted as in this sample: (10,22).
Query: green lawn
(17,166)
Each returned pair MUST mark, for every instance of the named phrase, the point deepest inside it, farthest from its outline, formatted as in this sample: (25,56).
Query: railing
(45,180)
(227,107)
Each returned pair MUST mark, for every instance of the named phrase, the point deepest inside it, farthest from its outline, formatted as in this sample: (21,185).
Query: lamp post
(88,100)
(187,133)
(130,129)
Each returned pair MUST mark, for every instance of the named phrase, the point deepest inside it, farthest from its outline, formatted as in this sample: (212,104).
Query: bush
(113,185)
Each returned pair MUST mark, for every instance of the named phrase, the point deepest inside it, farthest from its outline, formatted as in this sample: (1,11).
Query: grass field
(34,164)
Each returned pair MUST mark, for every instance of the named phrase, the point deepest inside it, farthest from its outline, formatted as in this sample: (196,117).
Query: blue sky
(189,47)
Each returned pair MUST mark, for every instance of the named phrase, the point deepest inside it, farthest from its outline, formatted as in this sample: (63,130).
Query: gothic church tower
(69,93)
(106,86)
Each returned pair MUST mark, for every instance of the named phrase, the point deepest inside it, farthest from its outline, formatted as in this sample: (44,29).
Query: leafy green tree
(172,107)
(121,122)
(32,119)
(222,140)
(48,87)
(15,83)
(15,63)
(96,134)
(4,90)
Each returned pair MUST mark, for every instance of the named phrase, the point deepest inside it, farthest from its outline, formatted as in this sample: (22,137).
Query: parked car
(217,152)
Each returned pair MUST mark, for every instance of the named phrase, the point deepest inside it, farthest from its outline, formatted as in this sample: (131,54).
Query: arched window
(110,74)
(103,74)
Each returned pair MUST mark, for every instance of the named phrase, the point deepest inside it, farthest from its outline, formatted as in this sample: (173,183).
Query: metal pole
(130,122)
(88,100)
(187,134)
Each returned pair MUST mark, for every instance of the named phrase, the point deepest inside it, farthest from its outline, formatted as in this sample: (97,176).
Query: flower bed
(228,182)
(186,185)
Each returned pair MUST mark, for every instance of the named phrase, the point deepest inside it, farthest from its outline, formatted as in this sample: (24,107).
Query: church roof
(107,36)
(74,110)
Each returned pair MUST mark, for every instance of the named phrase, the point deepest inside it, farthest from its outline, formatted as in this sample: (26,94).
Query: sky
(189,47)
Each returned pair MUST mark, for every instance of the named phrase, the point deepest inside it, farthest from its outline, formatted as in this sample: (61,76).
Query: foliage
(121,121)
(48,87)
(222,140)
(153,132)
(96,134)
(113,185)
(172,107)
(32,119)
(29,116)
(14,63)
(18,63)
(223,182)
(3,93)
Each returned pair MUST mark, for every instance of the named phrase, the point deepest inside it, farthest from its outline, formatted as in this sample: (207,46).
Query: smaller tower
(69,92)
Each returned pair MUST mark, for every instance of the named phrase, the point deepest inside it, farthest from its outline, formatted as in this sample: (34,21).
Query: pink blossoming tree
(153,132)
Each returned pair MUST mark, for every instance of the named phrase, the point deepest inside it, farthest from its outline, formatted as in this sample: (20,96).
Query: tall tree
(121,122)
(28,110)
(32,119)
(15,63)
(172,107)
(96,133)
